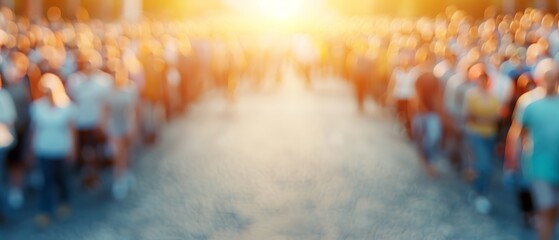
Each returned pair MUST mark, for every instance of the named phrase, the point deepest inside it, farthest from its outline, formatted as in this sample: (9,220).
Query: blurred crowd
(76,97)
(481,93)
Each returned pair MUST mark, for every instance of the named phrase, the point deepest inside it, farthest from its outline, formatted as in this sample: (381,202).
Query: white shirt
(7,108)
(89,95)
(404,81)
(501,86)
(53,133)
(450,92)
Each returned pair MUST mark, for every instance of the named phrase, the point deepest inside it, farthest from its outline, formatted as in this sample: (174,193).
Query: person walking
(88,88)
(535,125)
(122,112)
(53,145)
(427,112)
(482,111)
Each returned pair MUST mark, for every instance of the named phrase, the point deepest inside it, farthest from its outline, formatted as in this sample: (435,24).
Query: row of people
(475,92)
(76,95)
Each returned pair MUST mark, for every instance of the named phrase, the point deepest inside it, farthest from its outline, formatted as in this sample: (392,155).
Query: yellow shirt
(481,105)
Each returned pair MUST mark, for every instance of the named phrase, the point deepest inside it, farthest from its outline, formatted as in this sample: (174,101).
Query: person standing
(53,145)
(18,86)
(7,121)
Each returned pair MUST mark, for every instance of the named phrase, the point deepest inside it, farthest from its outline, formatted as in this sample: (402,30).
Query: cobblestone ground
(281,164)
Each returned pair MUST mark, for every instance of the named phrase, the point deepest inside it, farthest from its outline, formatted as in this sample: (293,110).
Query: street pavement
(281,163)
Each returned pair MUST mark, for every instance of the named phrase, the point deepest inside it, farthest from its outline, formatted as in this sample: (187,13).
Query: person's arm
(8,107)
(513,140)
(514,137)
(136,114)
(74,147)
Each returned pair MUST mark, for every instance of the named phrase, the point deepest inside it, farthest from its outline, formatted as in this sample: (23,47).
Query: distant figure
(362,74)
(401,88)
(88,88)
(426,109)
(122,112)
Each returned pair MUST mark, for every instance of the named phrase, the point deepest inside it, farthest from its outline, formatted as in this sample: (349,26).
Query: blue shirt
(541,119)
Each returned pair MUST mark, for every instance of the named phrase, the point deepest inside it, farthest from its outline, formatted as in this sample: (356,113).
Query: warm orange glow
(279,12)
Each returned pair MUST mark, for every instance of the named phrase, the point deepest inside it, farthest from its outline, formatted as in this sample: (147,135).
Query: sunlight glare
(279,9)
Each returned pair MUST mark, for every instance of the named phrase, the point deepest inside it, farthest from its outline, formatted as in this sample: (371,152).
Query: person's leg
(484,163)
(546,202)
(450,146)
(406,117)
(16,172)
(420,131)
(46,198)
(360,93)
(547,219)
(119,157)
(524,198)
(89,153)
(475,160)
(401,111)
(61,181)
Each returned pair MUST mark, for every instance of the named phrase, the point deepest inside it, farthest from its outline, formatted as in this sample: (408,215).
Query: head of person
(82,62)
(541,69)
(53,89)
(424,57)
(547,22)
(450,56)
(89,60)
(18,67)
(551,81)
(524,84)
(478,74)
(534,53)
(496,60)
